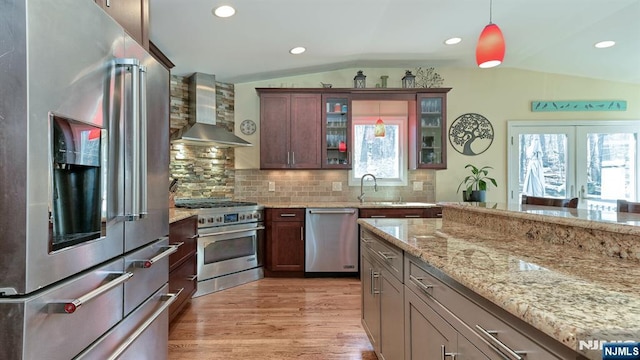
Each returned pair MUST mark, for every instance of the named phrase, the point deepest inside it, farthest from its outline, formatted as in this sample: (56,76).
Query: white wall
(499,94)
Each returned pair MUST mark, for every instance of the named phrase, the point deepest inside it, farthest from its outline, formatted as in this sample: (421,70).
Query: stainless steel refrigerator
(84,171)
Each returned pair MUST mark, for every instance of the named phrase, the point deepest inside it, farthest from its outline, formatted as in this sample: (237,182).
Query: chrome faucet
(375,186)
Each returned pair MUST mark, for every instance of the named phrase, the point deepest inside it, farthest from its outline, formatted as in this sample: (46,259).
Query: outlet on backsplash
(336,186)
(417,186)
(272,186)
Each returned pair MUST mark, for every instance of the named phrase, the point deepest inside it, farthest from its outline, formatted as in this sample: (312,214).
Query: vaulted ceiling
(555,36)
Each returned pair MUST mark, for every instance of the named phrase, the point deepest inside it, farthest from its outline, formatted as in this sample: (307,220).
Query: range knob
(241,217)
(201,220)
(210,220)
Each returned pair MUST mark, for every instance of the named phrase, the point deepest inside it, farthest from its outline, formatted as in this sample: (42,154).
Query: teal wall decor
(597,105)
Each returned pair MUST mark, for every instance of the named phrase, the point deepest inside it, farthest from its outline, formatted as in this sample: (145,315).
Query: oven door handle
(230,232)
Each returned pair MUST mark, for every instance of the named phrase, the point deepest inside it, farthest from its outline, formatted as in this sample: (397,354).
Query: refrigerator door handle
(132,208)
(134,141)
(142,122)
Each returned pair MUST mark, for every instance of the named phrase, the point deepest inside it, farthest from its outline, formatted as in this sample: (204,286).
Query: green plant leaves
(478,179)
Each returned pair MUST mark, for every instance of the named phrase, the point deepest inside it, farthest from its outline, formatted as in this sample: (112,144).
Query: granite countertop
(570,295)
(176,214)
(365,205)
(611,221)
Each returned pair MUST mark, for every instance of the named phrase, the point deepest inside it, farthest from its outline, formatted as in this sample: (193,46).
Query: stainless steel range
(230,242)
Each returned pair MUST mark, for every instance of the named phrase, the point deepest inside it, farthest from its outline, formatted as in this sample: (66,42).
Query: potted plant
(475,185)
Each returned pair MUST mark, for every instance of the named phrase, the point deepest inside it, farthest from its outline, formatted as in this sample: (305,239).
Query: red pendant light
(94,134)
(491,47)
(378,129)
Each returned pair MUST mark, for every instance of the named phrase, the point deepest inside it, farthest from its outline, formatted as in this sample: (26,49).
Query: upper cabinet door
(275,127)
(336,131)
(431,141)
(305,131)
(132,15)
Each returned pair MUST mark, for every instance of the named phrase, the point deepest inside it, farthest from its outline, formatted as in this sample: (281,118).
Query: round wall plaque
(471,134)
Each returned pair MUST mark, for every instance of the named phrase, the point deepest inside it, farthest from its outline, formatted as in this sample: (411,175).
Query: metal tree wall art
(471,134)
(428,78)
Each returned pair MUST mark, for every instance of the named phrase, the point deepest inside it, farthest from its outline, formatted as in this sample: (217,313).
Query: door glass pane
(337,131)
(610,169)
(230,249)
(543,164)
(431,131)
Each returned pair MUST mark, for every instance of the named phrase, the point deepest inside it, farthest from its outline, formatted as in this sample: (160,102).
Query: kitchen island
(571,274)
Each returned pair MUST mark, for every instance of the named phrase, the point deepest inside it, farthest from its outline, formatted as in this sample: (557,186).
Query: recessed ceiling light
(604,44)
(453,41)
(297,50)
(224,11)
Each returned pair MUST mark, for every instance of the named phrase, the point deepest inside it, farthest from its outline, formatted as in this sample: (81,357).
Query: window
(384,157)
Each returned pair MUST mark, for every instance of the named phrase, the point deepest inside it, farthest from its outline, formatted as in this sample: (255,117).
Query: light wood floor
(274,318)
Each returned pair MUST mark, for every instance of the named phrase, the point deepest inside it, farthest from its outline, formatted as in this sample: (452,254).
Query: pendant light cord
(490,11)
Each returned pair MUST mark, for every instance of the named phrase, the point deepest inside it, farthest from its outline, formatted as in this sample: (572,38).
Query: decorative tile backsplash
(208,172)
(202,171)
(292,186)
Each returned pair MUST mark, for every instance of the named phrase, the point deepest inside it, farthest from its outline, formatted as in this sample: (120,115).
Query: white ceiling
(555,36)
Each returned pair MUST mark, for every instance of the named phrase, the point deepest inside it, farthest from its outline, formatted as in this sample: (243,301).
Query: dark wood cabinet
(431,131)
(303,128)
(290,131)
(160,56)
(183,263)
(132,15)
(284,241)
(433,212)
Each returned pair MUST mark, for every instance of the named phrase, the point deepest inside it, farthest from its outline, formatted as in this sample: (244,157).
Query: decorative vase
(383,80)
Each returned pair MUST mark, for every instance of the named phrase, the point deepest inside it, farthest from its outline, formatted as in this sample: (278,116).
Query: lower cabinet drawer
(139,336)
(184,234)
(389,255)
(183,277)
(59,331)
(150,267)
(494,332)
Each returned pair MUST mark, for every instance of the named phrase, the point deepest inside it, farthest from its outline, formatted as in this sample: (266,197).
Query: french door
(595,161)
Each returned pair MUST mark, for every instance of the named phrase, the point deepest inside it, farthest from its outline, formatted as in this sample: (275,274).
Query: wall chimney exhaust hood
(202,128)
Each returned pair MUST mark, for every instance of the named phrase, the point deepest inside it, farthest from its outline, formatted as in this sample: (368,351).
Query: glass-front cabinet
(336,131)
(431,125)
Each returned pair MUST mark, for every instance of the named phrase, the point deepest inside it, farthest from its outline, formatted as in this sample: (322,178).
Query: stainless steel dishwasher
(331,241)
